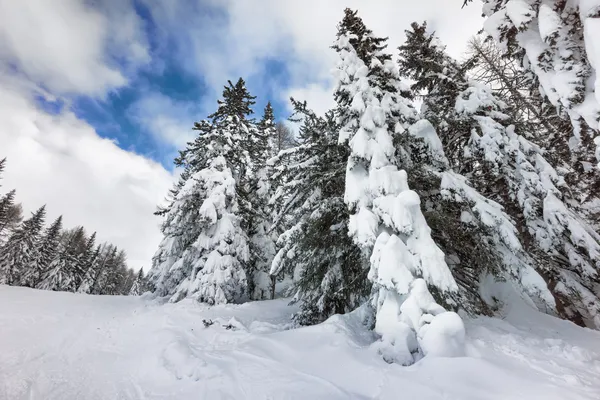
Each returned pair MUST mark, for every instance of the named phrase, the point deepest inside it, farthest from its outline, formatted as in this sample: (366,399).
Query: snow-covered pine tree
(97,280)
(111,271)
(12,219)
(90,278)
(386,219)
(116,277)
(557,41)
(139,284)
(260,215)
(205,249)
(549,128)
(45,254)
(6,205)
(478,132)
(87,263)
(10,213)
(65,273)
(331,272)
(17,255)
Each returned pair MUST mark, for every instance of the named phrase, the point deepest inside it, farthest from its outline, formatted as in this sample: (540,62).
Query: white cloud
(80,47)
(318,97)
(60,161)
(169,121)
(298,32)
(69,47)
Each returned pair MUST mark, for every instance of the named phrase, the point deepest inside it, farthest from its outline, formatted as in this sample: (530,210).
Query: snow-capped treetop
(20,250)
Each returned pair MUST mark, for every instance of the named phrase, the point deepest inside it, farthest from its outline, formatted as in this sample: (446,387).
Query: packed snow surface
(71,346)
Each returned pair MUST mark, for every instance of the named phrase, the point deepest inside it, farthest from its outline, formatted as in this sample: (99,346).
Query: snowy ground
(67,346)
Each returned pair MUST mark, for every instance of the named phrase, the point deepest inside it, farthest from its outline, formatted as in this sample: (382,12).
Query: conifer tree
(17,255)
(90,279)
(2,166)
(139,284)
(127,280)
(205,251)
(87,264)
(479,134)
(386,219)
(65,273)
(259,224)
(6,205)
(114,274)
(549,128)
(331,272)
(555,41)
(45,254)
(101,273)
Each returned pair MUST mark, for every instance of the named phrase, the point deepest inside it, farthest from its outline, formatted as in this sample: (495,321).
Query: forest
(430,179)
(54,258)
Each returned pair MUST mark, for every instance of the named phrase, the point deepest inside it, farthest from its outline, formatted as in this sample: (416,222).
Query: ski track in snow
(69,346)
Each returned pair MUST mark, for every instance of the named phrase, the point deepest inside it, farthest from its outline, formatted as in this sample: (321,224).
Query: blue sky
(116,115)
(96,96)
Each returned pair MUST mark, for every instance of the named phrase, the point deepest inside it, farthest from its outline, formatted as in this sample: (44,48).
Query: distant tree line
(54,258)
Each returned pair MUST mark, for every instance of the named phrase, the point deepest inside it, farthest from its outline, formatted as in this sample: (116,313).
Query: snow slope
(69,346)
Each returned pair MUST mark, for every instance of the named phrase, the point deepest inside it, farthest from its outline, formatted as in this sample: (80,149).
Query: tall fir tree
(45,254)
(479,134)
(139,284)
(18,254)
(330,270)
(6,205)
(555,41)
(260,234)
(548,127)
(205,252)
(64,272)
(386,219)
(87,264)
(99,276)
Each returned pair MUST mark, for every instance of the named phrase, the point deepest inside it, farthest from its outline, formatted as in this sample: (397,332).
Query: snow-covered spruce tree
(105,256)
(64,272)
(90,278)
(10,213)
(18,254)
(386,219)
(260,214)
(44,255)
(127,281)
(555,40)
(205,249)
(558,41)
(479,134)
(116,275)
(478,238)
(330,270)
(87,263)
(549,128)
(111,266)
(6,205)
(139,284)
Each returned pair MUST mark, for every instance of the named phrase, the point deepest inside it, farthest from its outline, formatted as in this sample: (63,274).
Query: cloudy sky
(96,96)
